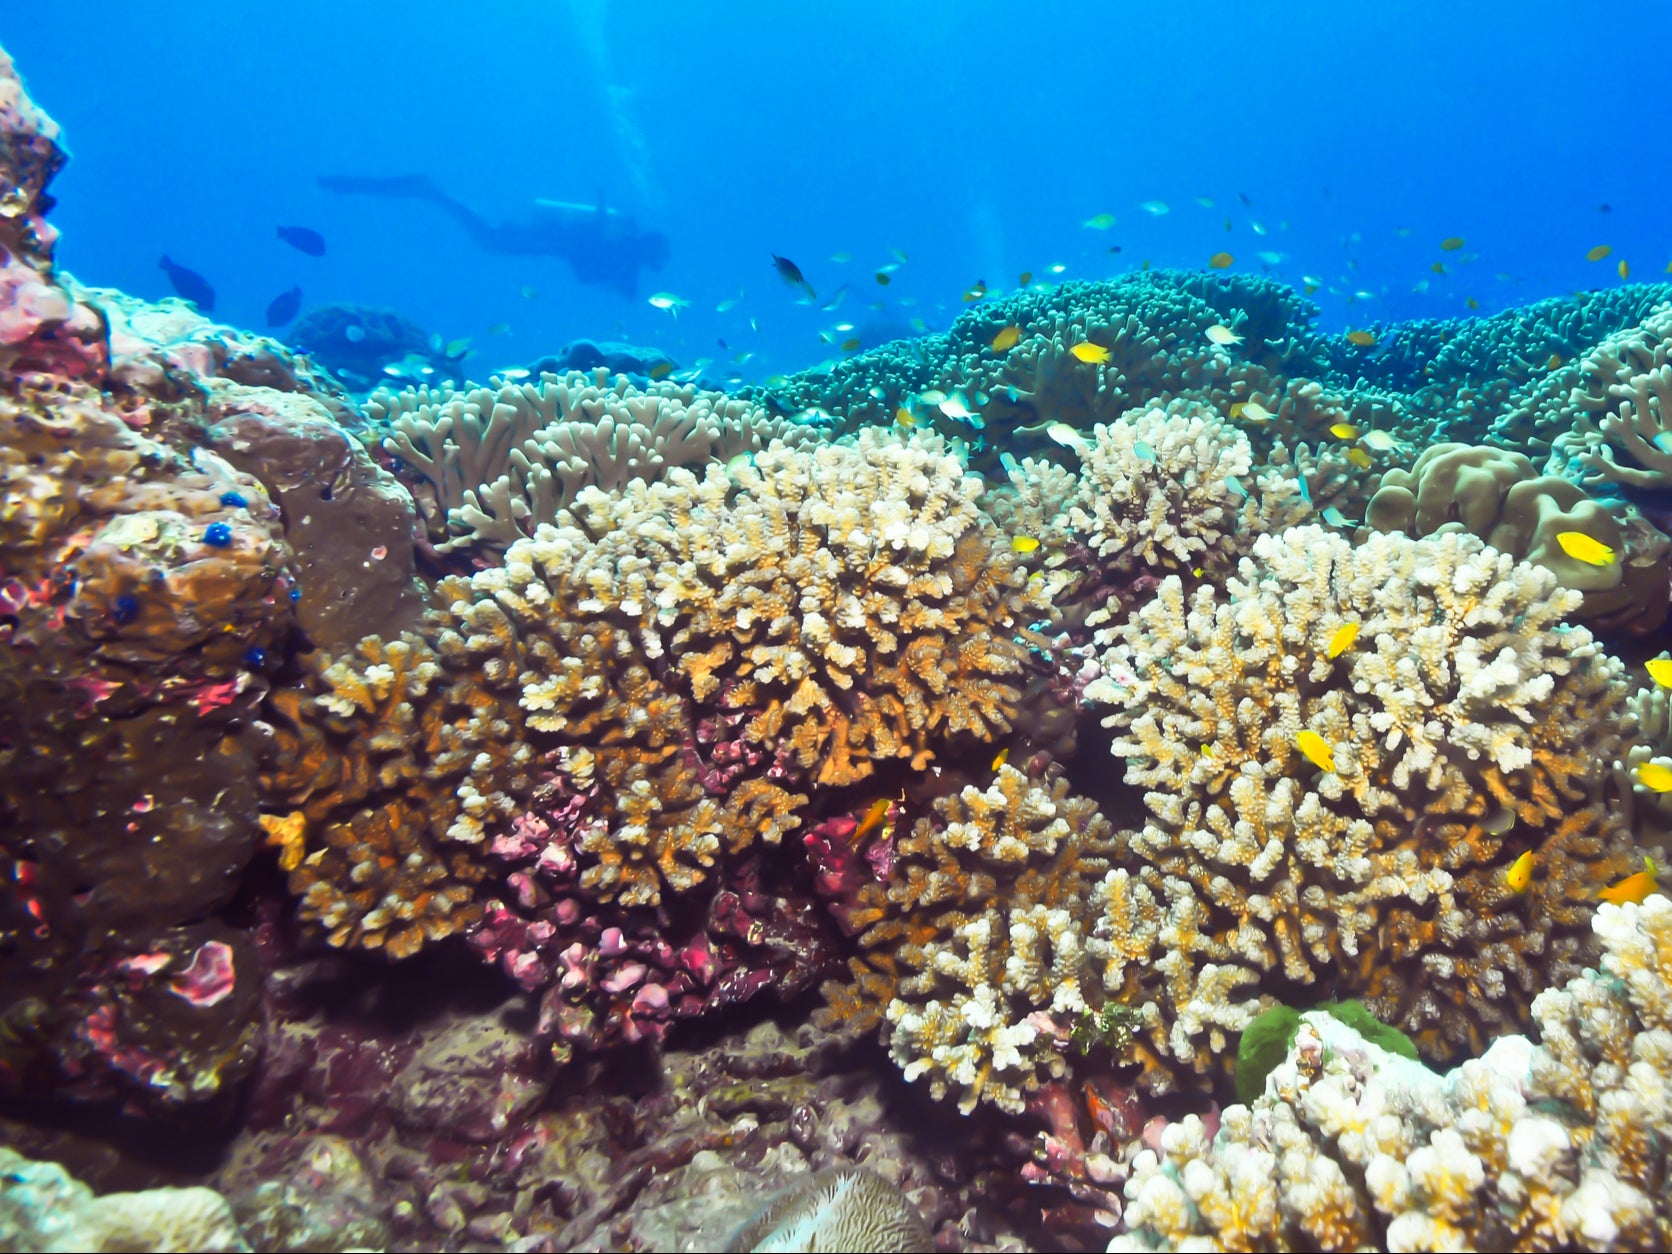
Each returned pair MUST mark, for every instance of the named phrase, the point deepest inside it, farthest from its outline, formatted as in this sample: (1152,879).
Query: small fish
(1270,258)
(1660,670)
(1067,436)
(883,279)
(850,345)
(1115,248)
(1344,431)
(1091,354)
(899,254)
(1598,253)
(1472,303)
(1143,452)
(661,370)
(1498,822)
(669,302)
(1655,776)
(1007,338)
(500,328)
(528,293)
(189,284)
(1056,267)
(1519,874)
(931,396)
(456,350)
(1342,640)
(841,259)
(1625,270)
(1634,887)
(1583,548)
(1221,261)
(1452,243)
(1439,267)
(1246,203)
(1156,208)
(1024,278)
(791,274)
(1316,750)
(1000,758)
(976,291)
(957,406)
(1605,208)
(1335,518)
(1222,335)
(1205,201)
(905,417)
(1363,339)
(1380,441)
(1359,458)
(1024,544)
(354,333)
(831,305)
(1555,362)
(1255,412)
(1236,488)
(284,307)
(1101,222)
(303,240)
(873,819)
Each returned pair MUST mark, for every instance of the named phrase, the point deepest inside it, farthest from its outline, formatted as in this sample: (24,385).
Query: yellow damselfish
(1092,354)
(1342,640)
(1452,243)
(1624,269)
(1520,873)
(1598,253)
(1221,261)
(1000,758)
(1583,548)
(1364,339)
(1344,431)
(1023,544)
(1635,887)
(1359,458)
(1660,670)
(1006,338)
(873,819)
(1316,749)
(1655,776)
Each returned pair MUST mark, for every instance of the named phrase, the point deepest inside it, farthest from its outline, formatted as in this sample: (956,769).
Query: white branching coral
(1343,752)
(1160,489)
(1559,1144)
(496,462)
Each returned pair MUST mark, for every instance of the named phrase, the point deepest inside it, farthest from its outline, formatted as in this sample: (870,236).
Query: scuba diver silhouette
(604,247)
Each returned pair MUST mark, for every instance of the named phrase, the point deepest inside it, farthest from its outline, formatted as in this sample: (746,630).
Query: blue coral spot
(124,610)
(233,500)
(217,535)
(256,657)
(295,594)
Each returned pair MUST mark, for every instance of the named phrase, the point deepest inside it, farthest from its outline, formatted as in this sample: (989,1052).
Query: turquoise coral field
(922,627)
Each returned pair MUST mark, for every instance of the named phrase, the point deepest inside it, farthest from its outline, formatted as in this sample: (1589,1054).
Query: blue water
(974,136)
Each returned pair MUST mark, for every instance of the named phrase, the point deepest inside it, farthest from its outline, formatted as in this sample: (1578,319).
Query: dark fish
(791,274)
(189,284)
(1605,208)
(1246,203)
(303,240)
(284,307)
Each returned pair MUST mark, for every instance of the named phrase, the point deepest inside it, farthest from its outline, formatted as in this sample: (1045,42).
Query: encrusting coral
(1497,495)
(1343,753)
(1560,1144)
(490,464)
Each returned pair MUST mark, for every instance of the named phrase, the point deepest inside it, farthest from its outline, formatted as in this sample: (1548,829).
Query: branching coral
(1343,753)
(494,463)
(1620,409)
(1560,1144)
(979,951)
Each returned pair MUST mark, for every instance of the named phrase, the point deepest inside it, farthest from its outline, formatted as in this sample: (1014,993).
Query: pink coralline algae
(210,978)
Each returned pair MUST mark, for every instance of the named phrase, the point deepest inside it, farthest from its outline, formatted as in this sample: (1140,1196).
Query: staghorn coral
(496,462)
(1458,724)
(978,950)
(1497,495)
(1559,1144)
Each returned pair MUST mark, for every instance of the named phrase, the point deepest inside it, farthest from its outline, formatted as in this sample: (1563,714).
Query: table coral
(1559,1144)
(1337,811)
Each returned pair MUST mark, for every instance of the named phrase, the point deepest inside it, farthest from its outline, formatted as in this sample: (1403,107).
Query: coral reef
(1558,1144)
(845,1208)
(1342,754)
(489,465)
(43,1210)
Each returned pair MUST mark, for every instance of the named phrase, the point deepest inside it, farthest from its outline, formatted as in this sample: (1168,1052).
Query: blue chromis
(1519,873)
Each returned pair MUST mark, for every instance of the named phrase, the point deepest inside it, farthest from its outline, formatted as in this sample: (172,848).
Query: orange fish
(1221,261)
(873,818)
(1634,887)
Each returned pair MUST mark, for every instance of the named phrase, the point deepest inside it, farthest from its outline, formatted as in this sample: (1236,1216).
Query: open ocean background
(977,137)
